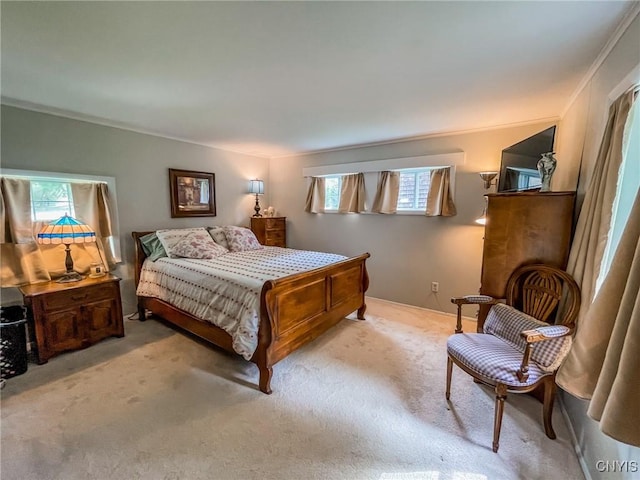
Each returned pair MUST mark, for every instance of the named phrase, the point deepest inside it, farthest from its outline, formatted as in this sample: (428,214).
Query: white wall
(580,135)
(407,252)
(140,163)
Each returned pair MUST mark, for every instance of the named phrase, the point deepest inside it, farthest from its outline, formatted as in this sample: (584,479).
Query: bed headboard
(139,253)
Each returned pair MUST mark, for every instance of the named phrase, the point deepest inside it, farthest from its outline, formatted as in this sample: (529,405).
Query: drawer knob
(77,298)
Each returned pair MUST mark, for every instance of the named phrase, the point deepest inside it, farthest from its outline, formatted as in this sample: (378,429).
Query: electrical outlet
(435,286)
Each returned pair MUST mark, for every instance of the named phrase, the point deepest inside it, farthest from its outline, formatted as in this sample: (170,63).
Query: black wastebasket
(13,341)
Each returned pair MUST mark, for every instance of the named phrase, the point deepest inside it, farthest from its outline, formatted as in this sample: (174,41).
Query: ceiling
(277,78)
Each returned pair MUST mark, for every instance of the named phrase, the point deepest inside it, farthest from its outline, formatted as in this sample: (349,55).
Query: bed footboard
(297,309)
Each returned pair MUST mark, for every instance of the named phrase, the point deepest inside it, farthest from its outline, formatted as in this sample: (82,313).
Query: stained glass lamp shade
(66,230)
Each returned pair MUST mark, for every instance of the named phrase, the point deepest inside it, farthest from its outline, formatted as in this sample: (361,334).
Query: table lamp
(66,230)
(256,187)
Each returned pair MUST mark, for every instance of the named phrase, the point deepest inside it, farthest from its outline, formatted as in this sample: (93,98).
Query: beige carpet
(365,401)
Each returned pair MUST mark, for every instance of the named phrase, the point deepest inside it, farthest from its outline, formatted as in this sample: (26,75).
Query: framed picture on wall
(193,194)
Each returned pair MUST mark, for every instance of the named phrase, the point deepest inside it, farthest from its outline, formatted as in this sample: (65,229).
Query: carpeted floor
(365,401)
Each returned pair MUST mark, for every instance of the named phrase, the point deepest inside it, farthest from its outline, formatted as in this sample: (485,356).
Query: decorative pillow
(507,323)
(198,245)
(241,239)
(152,247)
(217,233)
(169,237)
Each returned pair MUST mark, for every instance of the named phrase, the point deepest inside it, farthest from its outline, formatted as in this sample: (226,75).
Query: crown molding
(59,112)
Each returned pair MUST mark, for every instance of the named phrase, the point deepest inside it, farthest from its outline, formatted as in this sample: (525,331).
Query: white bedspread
(226,290)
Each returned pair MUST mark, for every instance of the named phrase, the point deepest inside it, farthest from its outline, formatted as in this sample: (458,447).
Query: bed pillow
(152,247)
(241,239)
(217,233)
(198,245)
(169,237)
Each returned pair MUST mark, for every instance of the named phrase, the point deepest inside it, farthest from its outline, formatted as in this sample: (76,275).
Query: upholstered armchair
(521,347)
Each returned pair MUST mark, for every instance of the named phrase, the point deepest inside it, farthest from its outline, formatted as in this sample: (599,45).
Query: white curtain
(352,194)
(386,199)
(439,199)
(315,196)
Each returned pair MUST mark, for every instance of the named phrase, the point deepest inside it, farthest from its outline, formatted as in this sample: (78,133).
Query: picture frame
(193,194)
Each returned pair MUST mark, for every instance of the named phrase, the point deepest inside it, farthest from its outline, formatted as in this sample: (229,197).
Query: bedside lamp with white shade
(256,187)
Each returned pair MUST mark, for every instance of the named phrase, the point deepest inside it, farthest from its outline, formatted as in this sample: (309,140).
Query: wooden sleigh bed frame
(294,310)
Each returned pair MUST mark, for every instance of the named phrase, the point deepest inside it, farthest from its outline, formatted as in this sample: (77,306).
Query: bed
(293,309)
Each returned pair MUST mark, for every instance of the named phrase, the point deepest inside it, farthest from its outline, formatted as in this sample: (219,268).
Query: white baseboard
(574,440)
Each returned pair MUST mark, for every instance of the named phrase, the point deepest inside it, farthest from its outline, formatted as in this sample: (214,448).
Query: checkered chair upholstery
(517,352)
(497,353)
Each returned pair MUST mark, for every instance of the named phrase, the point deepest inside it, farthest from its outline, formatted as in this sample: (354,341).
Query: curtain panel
(439,199)
(315,196)
(386,199)
(594,221)
(22,260)
(603,364)
(352,194)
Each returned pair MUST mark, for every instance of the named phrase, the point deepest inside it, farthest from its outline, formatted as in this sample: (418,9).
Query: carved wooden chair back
(542,291)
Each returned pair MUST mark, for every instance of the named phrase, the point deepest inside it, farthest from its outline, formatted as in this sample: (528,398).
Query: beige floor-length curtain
(93,205)
(352,194)
(315,196)
(21,261)
(592,230)
(603,364)
(439,199)
(386,199)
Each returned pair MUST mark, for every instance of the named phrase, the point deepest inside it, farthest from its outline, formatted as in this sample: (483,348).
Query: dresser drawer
(78,296)
(274,223)
(274,237)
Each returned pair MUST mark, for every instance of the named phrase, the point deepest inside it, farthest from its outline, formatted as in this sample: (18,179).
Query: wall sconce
(66,230)
(256,187)
(488,178)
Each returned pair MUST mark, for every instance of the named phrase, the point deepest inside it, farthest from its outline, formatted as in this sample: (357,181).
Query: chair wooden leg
(449,370)
(501,396)
(547,406)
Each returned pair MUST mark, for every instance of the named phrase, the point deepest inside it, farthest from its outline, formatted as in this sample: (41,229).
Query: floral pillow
(198,245)
(241,239)
(170,237)
(217,233)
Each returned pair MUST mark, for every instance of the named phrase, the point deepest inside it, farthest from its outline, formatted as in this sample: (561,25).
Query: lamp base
(257,208)
(69,277)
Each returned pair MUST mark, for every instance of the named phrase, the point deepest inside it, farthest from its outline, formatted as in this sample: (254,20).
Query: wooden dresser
(270,231)
(70,316)
(523,228)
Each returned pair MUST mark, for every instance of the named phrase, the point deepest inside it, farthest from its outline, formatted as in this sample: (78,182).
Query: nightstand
(71,316)
(270,231)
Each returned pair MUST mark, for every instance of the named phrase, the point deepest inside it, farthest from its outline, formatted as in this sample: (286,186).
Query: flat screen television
(518,169)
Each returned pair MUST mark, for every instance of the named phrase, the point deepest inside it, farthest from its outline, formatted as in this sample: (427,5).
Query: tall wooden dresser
(270,231)
(523,228)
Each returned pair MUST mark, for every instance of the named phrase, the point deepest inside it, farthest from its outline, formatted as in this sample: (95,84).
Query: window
(332,187)
(414,188)
(50,199)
